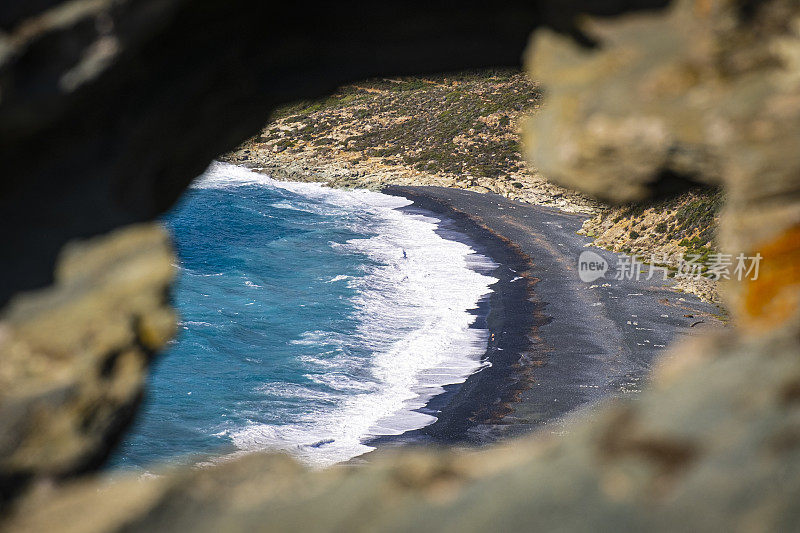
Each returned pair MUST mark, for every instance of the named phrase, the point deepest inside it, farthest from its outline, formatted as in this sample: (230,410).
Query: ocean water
(312,320)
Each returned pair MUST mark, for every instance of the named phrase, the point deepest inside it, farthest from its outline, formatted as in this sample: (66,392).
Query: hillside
(462,130)
(662,233)
(458,130)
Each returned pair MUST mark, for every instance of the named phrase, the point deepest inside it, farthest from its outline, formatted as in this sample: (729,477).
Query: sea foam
(412,309)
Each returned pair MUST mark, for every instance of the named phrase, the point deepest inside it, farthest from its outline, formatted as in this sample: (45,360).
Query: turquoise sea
(312,320)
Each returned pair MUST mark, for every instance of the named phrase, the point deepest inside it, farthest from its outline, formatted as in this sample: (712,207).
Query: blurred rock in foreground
(714,447)
(703,92)
(75,356)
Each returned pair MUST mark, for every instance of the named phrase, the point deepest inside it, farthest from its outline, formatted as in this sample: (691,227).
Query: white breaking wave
(413,314)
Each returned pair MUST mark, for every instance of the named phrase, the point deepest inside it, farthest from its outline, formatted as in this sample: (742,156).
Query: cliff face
(133,98)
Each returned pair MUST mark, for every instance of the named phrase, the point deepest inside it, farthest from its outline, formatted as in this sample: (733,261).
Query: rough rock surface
(706,91)
(700,452)
(75,355)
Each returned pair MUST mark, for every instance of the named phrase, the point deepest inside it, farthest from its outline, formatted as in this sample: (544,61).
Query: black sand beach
(558,344)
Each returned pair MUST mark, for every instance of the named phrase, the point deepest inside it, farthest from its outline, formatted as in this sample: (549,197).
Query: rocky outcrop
(75,355)
(109,108)
(702,92)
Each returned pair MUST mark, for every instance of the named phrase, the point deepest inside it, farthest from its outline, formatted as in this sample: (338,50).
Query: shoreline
(511,319)
(560,345)
(547,361)
(377,176)
(341,174)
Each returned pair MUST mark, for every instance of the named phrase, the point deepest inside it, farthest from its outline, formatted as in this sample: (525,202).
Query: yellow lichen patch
(774,297)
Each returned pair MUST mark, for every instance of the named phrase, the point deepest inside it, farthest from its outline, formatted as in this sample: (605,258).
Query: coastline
(558,345)
(511,316)
(460,129)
